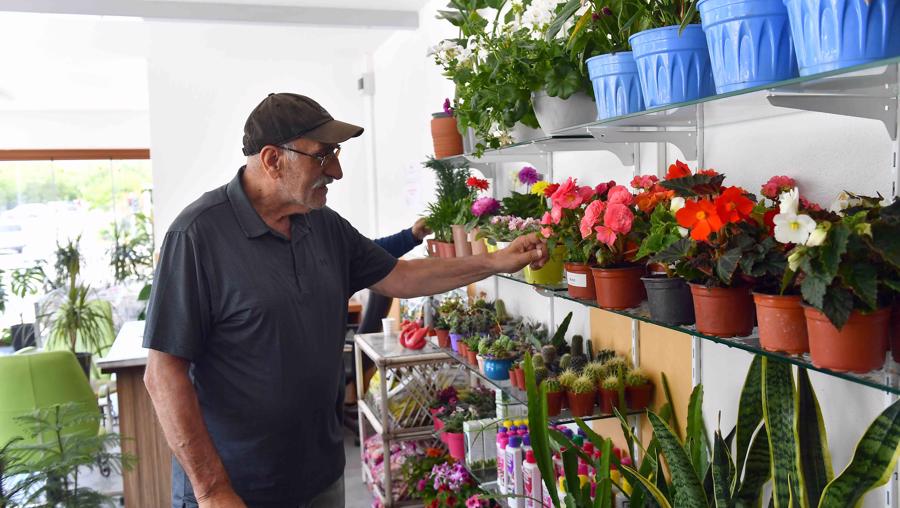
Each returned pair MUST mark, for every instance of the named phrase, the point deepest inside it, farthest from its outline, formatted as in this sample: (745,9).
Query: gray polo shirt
(262,320)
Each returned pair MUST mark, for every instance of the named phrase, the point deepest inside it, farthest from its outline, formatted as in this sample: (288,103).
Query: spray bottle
(501,462)
(515,483)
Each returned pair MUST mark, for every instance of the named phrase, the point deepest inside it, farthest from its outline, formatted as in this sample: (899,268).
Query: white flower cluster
(447,51)
(538,16)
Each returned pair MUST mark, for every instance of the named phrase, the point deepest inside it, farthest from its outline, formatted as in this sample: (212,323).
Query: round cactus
(567,378)
(565,361)
(594,370)
(636,377)
(582,384)
(548,352)
(553,385)
(540,374)
(537,361)
(611,383)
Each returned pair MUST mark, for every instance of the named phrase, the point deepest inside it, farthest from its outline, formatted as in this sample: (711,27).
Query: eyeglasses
(323,159)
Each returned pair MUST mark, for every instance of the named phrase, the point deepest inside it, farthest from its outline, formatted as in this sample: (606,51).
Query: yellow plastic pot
(550,273)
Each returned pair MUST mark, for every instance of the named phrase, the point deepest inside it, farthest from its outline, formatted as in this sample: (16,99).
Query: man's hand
(525,250)
(420,230)
(224,499)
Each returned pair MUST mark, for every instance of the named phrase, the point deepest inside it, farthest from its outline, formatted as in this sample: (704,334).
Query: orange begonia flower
(733,205)
(700,217)
(678,170)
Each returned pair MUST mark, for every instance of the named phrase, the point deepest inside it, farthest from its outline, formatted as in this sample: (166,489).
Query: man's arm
(175,401)
(422,277)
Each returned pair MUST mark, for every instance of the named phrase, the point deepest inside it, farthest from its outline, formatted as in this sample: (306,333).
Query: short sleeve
(369,263)
(178,313)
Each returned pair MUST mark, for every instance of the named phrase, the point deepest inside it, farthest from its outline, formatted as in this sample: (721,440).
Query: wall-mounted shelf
(884,379)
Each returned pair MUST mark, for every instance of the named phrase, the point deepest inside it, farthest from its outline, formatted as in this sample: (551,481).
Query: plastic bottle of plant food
(526,443)
(531,479)
(515,484)
(561,488)
(588,449)
(546,497)
(501,463)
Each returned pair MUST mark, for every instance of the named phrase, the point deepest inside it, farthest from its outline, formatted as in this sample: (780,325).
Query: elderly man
(246,320)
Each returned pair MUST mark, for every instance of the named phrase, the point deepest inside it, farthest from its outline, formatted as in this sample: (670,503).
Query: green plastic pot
(550,273)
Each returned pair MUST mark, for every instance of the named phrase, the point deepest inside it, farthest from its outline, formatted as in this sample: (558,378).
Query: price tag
(578,280)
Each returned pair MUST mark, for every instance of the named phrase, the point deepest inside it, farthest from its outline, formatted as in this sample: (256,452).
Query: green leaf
(750,411)
(778,410)
(813,289)
(676,252)
(722,472)
(559,338)
(570,472)
(815,460)
(831,251)
(688,490)
(564,14)
(886,241)
(651,487)
(872,464)
(694,185)
(837,305)
(757,470)
(862,279)
(727,264)
(667,413)
(537,425)
(695,443)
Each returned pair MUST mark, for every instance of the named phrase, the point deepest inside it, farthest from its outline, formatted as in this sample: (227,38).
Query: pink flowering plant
(562,224)
(449,485)
(612,226)
(506,228)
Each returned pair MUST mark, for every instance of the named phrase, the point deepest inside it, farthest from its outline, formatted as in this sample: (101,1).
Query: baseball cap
(281,117)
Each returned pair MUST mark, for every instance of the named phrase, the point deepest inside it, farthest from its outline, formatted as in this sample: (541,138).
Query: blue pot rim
(619,55)
(692,27)
(732,2)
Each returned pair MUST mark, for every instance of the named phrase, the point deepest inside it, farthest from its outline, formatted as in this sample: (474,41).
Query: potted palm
(450,189)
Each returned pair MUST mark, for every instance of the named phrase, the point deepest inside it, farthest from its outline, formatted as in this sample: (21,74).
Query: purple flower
(529,176)
(421,486)
(607,11)
(447,108)
(475,502)
(485,206)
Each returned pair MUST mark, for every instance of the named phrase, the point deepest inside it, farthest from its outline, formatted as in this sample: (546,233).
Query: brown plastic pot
(609,399)
(478,246)
(618,288)
(857,347)
(520,377)
(782,325)
(471,357)
(723,312)
(581,404)
(638,397)
(432,247)
(443,337)
(463,350)
(445,137)
(580,281)
(895,332)
(445,249)
(554,403)
(462,247)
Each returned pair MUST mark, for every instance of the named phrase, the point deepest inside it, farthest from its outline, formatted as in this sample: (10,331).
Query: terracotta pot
(456,443)
(431,245)
(461,346)
(857,347)
(782,325)
(445,136)
(609,399)
(472,357)
(445,249)
(580,281)
(581,404)
(438,424)
(618,288)
(638,397)
(895,332)
(554,402)
(479,246)
(461,241)
(520,377)
(723,312)
(443,337)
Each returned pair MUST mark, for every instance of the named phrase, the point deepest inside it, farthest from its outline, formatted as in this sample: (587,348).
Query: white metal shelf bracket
(620,140)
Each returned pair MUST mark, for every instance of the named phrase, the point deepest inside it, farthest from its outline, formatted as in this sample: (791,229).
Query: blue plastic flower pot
(498,370)
(830,34)
(749,42)
(672,67)
(617,88)
(454,341)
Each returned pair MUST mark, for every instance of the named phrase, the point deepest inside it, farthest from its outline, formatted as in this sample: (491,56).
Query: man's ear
(270,157)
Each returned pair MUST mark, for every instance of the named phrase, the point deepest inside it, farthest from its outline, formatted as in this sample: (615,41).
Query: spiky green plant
(541,373)
(583,384)
(565,361)
(636,377)
(577,345)
(553,385)
(450,191)
(548,353)
(594,370)
(537,361)
(567,378)
(604,355)
(611,383)
(616,366)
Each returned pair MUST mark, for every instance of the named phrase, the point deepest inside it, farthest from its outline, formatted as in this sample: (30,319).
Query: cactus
(537,361)
(594,370)
(590,350)
(540,374)
(578,362)
(616,366)
(582,384)
(565,361)
(604,355)
(549,354)
(577,345)
(636,377)
(567,378)
(553,385)
(500,311)
(611,383)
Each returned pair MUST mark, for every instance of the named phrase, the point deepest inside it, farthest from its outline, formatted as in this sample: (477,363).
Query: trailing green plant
(131,254)
(53,464)
(603,27)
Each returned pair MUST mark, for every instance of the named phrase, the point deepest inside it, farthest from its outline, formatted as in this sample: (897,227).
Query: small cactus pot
(519,373)
(581,404)
(638,397)
(443,338)
(471,357)
(555,402)
(609,399)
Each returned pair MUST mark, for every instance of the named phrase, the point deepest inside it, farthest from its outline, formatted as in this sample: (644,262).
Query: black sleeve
(178,314)
(369,263)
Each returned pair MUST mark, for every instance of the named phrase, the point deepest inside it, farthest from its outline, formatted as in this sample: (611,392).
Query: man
(246,320)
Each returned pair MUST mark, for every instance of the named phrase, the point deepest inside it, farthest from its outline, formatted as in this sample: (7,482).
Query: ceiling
(391,5)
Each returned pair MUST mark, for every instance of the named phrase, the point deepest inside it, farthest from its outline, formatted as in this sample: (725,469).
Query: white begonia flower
(817,237)
(790,202)
(676,204)
(842,202)
(793,228)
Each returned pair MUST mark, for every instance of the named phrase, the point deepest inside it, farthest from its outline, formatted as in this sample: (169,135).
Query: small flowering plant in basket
(506,228)
(449,485)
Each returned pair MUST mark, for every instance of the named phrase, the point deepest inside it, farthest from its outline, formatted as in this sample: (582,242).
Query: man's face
(304,179)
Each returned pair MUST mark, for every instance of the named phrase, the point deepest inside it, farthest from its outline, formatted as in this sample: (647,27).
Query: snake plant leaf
(688,490)
(815,459)
(570,472)
(667,412)
(722,472)
(750,412)
(537,425)
(778,411)
(696,444)
(651,487)
(604,482)
(757,471)
(872,463)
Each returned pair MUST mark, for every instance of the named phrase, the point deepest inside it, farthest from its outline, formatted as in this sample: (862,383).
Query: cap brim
(333,132)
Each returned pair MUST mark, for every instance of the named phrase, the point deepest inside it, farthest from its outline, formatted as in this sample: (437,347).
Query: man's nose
(334,170)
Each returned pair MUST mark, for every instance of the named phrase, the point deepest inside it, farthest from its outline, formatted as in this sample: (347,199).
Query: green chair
(37,380)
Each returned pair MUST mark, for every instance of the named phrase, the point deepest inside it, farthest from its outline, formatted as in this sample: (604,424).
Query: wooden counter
(149,483)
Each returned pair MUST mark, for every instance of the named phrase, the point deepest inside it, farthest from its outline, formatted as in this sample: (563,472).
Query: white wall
(206,78)
(74,129)
(826,154)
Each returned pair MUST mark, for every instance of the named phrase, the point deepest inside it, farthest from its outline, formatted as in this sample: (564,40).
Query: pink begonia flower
(475,502)
(546,219)
(485,206)
(556,214)
(603,187)
(618,218)
(591,216)
(644,182)
(586,192)
(546,232)
(566,196)
(605,235)
(620,195)
(776,185)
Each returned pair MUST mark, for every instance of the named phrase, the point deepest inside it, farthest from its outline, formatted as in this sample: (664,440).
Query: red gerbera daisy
(477,183)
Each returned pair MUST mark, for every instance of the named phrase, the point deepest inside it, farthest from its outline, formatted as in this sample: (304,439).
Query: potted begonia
(562,228)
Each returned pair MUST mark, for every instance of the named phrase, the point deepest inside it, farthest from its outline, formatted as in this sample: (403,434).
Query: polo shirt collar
(250,221)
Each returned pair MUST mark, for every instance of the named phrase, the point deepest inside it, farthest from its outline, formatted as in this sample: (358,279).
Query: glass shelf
(521,397)
(869,90)
(884,379)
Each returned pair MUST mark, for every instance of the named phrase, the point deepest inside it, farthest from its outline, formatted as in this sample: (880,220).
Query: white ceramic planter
(555,114)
